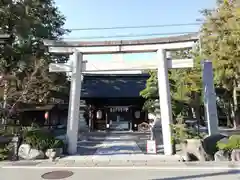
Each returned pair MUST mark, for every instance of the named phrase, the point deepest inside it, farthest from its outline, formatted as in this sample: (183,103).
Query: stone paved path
(102,143)
(90,142)
(114,145)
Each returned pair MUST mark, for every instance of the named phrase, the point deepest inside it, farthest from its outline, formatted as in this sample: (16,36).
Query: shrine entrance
(159,45)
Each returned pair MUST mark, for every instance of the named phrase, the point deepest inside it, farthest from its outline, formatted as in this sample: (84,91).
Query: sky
(114,13)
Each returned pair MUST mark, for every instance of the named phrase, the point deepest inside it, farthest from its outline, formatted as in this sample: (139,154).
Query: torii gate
(158,45)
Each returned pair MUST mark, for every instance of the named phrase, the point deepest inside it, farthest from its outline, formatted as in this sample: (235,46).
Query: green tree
(150,93)
(185,87)
(220,39)
(24,56)
(189,84)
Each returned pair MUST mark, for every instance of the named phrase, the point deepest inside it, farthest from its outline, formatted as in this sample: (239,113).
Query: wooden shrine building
(114,101)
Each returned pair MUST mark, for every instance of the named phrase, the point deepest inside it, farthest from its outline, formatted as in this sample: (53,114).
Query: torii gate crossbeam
(4,38)
(159,45)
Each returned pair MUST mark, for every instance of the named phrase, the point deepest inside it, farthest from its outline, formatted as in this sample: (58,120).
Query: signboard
(119,109)
(151,147)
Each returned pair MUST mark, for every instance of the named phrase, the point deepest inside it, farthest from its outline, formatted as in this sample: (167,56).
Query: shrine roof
(113,86)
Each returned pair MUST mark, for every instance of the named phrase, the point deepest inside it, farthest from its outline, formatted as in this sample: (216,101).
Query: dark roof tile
(113,86)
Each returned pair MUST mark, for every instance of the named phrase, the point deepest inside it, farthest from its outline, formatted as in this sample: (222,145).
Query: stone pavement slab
(124,157)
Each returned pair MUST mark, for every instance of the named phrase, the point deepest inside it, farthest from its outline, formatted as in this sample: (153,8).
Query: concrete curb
(38,164)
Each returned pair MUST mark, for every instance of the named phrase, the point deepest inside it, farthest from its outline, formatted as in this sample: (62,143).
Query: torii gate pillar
(74,102)
(164,101)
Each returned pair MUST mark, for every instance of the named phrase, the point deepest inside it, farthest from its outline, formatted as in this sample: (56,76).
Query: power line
(130,35)
(134,27)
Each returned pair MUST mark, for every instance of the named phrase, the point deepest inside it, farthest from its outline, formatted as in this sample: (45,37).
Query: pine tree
(24,56)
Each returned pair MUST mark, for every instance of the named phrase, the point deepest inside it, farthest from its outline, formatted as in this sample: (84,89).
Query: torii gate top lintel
(160,40)
(123,46)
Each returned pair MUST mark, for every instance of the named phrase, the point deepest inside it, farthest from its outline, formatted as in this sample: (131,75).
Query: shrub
(232,143)
(57,143)
(180,132)
(9,131)
(4,152)
(41,140)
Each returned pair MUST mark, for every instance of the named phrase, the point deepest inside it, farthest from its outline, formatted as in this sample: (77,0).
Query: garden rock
(53,153)
(235,155)
(221,156)
(26,152)
(209,145)
(192,150)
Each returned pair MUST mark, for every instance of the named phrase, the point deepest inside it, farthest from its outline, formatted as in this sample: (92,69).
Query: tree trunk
(5,93)
(228,114)
(196,108)
(235,109)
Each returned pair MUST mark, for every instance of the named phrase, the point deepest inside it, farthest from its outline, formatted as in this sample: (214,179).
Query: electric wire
(135,27)
(128,36)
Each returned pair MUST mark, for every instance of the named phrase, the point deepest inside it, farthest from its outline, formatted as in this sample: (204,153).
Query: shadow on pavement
(89,142)
(118,149)
(237,172)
